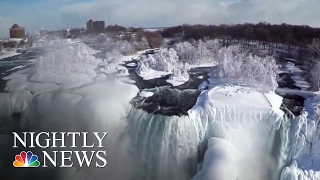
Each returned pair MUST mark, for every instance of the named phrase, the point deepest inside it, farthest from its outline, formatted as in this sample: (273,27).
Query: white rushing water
(231,132)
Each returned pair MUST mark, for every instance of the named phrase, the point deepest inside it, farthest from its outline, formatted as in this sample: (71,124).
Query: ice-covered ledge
(237,99)
(241,118)
(240,97)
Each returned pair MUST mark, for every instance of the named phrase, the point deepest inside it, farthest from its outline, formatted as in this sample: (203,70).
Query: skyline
(58,14)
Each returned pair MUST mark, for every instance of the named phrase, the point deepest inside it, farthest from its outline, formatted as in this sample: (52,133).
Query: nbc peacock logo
(26,160)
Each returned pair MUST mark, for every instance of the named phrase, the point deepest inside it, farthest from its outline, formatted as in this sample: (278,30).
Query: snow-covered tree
(180,72)
(197,52)
(315,76)
(314,65)
(163,60)
(141,45)
(166,59)
(202,53)
(242,68)
(186,52)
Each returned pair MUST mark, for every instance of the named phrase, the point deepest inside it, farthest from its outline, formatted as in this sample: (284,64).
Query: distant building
(90,25)
(17,32)
(96,26)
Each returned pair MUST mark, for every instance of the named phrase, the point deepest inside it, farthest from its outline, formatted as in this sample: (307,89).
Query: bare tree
(315,46)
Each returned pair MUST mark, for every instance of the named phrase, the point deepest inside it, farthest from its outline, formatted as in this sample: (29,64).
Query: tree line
(300,35)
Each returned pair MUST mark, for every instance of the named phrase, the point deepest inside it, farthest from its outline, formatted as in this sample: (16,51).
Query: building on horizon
(17,32)
(99,26)
(90,25)
(96,26)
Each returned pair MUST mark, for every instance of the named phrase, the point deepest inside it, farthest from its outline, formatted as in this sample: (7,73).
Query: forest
(299,35)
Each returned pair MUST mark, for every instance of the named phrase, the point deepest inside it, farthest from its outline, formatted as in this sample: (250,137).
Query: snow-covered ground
(10,53)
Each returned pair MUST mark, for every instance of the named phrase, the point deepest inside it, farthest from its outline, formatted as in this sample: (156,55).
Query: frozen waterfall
(236,131)
(178,144)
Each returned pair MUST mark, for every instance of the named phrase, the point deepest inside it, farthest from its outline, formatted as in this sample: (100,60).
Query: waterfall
(167,146)
(172,147)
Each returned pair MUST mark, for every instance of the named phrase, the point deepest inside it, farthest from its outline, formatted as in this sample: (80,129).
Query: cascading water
(171,147)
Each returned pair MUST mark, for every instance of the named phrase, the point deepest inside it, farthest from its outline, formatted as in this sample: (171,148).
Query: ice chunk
(122,71)
(146,94)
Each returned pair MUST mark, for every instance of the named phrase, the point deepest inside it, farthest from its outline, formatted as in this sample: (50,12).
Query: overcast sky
(57,14)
